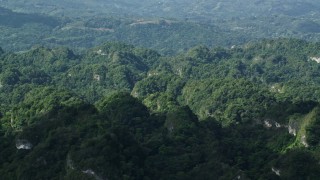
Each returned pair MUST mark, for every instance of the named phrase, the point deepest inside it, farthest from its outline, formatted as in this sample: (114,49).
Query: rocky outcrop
(304,141)
(89,172)
(316,59)
(276,171)
(292,130)
(23,144)
(268,123)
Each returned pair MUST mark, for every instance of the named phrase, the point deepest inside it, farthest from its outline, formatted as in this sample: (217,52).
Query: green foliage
(312,130)
(12,19)
(204,114)
(161,102)
(122,106)
(38,102)
(180,120)
(298,164)
(227,99)
(10,76)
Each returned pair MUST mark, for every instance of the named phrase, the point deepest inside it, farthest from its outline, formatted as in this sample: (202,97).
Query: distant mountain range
(201,9)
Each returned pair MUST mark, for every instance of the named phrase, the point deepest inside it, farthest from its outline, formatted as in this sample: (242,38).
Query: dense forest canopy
(145,90)
(124,112)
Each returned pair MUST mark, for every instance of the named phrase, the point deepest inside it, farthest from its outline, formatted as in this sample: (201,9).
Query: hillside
(122,112)
(203,9)
(21,31)
(170,27)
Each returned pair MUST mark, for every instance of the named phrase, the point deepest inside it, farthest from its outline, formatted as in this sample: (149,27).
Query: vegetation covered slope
(170,27)
(204,9)
(122,112)
(120,139)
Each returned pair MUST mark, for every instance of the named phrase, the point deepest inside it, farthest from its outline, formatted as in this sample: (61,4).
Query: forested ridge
(165,26)
(119,111)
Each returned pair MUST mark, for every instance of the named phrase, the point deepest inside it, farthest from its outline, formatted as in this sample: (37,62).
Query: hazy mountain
(81,24)
(207,9)
(16,20)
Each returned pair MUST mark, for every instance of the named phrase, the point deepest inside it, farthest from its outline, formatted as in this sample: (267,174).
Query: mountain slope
(251,111)
(175,9)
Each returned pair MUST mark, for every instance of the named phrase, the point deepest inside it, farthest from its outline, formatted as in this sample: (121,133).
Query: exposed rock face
(304,141)
(23,144)
(153,74)
(135,94)
(89,172)
(70,163)
(101,53)
(317,59)
(278,125)
(92,173)
(267,123)
(275,89)
(292,130)
(96,77)
(276,171)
